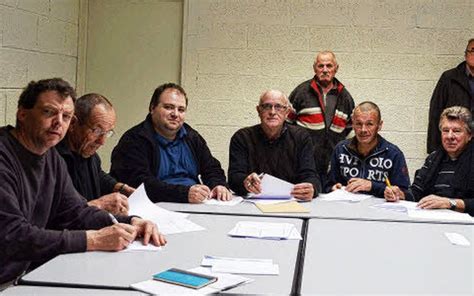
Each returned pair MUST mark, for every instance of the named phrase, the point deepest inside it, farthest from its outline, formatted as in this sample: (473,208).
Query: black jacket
(463,186)
(452,90)
(136,160)
(290,157)
(86,173)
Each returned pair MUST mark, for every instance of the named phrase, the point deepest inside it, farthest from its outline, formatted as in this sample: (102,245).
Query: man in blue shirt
(169,156)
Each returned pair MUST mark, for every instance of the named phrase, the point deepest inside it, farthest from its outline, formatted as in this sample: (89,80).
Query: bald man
(273,147)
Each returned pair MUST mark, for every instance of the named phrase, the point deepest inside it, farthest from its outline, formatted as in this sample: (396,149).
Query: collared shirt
(177,164)
(445,178)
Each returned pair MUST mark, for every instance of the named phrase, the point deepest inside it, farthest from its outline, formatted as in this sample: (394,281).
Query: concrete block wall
(390,52)
(38,39)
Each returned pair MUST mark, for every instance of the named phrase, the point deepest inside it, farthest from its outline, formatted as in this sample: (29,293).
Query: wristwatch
(453,204)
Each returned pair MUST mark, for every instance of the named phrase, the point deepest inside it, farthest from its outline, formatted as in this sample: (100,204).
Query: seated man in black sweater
(273,147)
(92,124)
(41,214)
(446,180)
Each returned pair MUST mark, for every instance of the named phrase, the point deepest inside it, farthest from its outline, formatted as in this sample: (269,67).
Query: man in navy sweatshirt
(367,162)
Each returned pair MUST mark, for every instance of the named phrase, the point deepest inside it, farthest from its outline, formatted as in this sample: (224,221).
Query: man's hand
(127,190)
(253,184)
(434,202)
(303,191)
(148,231)
(358,184)
(393,194)
(114,203)
(113,238)
(198,193)
(221,193)
(336,186)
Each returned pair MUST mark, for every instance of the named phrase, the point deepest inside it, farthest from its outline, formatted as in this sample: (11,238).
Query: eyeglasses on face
(471,51)
(99,132)
(277,107)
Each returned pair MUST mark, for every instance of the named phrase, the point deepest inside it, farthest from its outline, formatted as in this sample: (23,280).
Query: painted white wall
(131,48)
(38,39)
(390,52)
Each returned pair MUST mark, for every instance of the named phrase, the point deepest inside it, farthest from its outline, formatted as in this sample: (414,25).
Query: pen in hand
(389,185)
(113,219)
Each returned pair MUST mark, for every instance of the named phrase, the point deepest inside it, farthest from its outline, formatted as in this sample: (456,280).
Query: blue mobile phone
(185,278)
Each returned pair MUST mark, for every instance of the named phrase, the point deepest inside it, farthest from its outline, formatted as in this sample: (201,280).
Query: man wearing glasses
(454,88)
(92,124)
(323,106)
(273,147)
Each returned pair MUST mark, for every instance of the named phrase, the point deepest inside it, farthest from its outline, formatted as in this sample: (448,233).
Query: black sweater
(290,157)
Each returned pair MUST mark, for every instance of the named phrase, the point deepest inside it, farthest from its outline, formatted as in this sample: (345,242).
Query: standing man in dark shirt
(273,147)
(92,124)
(168,155)
(41,214)
(454,88)
(323,106)
(446,180)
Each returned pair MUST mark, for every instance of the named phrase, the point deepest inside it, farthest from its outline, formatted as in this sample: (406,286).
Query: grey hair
(457,113)
(274,92)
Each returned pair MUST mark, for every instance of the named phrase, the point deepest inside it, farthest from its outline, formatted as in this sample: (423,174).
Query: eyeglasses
(471,51)
(278,107)
(99,132)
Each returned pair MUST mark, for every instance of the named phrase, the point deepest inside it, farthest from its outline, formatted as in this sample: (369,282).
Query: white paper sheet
(224,282)
(168,222)
(343,195)
(139,246)
(245,267)
(234,201)
(274,188)
(399,206)
(439,215)
(265,230)
(209,260)
(457,239)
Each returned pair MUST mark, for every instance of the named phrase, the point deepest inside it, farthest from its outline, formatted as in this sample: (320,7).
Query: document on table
(168,222)
(399,206)
(273,188)
(457,239)
(225,282)
(410,207)
(265,230)
(241,265)
(343,195)
(234,201)
(139,246)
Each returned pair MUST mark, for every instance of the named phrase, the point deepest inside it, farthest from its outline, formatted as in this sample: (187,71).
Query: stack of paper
(168,222)
(343,195)
(224,282)
(241,265)
(273,188)
(265,230)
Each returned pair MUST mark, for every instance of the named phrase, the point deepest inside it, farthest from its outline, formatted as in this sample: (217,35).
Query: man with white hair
(446,180)
(273,147)
(323,106)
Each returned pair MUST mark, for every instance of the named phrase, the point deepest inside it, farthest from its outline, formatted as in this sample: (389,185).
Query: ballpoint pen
(114,220)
